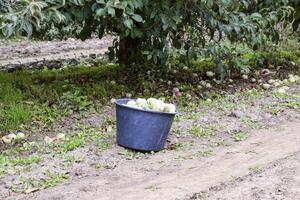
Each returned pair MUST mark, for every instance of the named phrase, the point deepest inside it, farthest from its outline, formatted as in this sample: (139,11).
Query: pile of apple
(8,139)
(281,84)
(152,104)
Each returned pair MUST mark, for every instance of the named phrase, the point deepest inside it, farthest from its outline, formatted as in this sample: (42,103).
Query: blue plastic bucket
(140,129)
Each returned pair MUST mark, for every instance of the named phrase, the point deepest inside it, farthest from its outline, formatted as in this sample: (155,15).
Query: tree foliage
(148,29)
(296,18)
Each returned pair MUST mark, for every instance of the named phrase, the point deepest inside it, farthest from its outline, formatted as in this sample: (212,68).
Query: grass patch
(240,136)
(69,161)
(26,161)
(287,102)
(87,135)
(14,115)
(204,131)
(50,95)
(11,165)
(228,102)
(198,154)
(131,155)
(14,40)
(250,122)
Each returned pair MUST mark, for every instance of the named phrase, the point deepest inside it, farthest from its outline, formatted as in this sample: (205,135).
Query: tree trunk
(129,52)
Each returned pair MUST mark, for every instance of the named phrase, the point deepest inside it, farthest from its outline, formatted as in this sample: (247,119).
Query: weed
(290,102)
(26,161)
(13,40)
(293,104)
(220,142)
(73,143)
(25,148)
(233,179)
(273,108)
(253,93)
(48,95)
(176,130)
(87,135)
(204,131)
(13,116)
(250,122)
(181,145)
(75,101)
(69,161)
(198,154)
(219,102)
(200,196)
(7,164)
(280,95)
(49,115)
(130,155)
(240,136)
(290,55)
(50,179)
(105,166)
(103,145)
(254,169)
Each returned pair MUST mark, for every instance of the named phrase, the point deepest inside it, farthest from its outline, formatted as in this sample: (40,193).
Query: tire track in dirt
(278,180)
(188,176)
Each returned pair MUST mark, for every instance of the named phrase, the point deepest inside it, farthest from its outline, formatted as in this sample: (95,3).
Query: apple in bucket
(144,124)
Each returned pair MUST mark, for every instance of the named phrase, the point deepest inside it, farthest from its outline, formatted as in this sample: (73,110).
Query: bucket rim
(139,109)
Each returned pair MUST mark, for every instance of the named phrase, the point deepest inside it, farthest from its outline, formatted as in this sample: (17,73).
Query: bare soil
(32,54)
(277,180)
(160,177)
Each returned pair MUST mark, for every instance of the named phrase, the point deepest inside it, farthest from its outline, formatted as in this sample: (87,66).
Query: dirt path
(278,180)
(189,176)
(33,54)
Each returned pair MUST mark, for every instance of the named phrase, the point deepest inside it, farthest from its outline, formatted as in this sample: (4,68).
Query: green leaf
(101,1)
(111,11)
(137,18)
(256,15)
(101,12)
(210,3)
(165,26)
(128,23)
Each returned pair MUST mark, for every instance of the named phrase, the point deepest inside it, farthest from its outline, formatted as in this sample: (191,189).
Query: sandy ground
(266,147)
(277,180)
